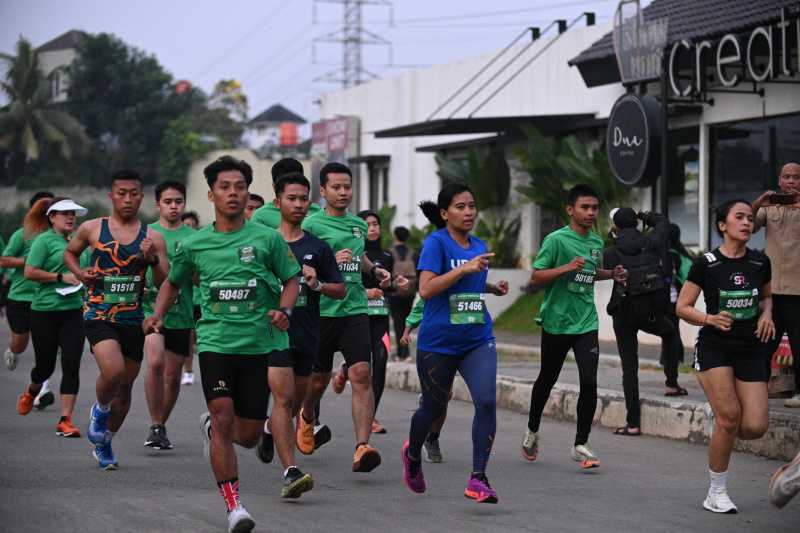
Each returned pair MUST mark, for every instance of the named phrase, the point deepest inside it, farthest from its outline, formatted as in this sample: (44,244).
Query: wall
(197,188)
(549,86)
(49,61)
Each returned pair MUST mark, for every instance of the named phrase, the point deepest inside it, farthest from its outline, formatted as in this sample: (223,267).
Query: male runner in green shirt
(248,282)
(344,325)
(166,350)
(269,214)
(569,262)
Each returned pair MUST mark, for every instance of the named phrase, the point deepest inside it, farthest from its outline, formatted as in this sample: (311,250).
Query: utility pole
(352,36)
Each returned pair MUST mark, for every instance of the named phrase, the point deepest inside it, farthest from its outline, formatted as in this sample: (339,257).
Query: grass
(519,318)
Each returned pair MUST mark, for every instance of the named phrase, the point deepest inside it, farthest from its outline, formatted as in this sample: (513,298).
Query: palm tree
(556,165)
(486,172)
(31,123)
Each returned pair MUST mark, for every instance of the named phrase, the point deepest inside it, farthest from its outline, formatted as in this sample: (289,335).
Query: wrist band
(59,277)
(317,287)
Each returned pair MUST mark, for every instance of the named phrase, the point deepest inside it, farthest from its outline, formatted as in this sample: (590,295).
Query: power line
(258,26)
(283,47)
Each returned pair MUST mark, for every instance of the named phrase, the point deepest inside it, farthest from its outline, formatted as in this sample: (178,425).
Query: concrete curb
(605,359)
(678,419)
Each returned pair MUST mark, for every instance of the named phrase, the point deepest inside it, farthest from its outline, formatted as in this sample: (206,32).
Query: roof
(688,19)
(65,41)
(547,124)
(276,113)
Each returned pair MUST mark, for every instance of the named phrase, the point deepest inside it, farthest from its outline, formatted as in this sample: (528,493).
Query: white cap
(67,205)
(612,213)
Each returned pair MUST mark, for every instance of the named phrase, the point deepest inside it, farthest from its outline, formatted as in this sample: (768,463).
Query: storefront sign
(633,140)
(639,45)
(763,54)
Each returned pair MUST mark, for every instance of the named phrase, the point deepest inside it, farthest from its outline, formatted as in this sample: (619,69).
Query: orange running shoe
(340,379)
(366,458)
(65,428)
(25,402)
(304,437)
(377,427)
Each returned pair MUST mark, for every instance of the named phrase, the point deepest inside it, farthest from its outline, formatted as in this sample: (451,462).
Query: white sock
(719,480)
(266,427)
(45,387)
(104,407)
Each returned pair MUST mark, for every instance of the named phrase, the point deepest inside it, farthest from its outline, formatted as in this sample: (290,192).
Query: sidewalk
(683,418)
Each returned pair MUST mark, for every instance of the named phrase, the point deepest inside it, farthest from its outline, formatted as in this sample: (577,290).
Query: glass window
(683,183)
(746,158)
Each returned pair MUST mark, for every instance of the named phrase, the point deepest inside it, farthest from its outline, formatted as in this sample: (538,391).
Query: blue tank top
(117,296)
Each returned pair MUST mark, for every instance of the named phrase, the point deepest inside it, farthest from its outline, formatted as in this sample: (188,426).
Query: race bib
(122,289)
(467,308)
(233,297)
(302,296)
(581,282)
(742,305)
(377,307)
(351,271)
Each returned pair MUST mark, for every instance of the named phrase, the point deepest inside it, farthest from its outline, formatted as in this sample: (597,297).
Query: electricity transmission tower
(352,36)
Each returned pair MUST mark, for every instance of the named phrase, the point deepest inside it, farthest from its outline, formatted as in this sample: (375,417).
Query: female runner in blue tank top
(455,336)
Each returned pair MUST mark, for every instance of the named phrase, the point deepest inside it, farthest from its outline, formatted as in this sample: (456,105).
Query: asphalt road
(53,484)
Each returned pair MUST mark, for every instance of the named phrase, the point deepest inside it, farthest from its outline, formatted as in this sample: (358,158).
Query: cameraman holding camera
(641,303)
(779,213)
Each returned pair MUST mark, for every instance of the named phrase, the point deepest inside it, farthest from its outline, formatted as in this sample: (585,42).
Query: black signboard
(633,140)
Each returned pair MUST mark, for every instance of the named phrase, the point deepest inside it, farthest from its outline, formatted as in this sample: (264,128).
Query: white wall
(549,86)
(49,61)
(197,188)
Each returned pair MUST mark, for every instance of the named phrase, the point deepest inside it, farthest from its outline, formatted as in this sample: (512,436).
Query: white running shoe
(584,454)
(10,359)
(718,501)
(239,520)
(205,432)
(794,401)
(188,378)
(785,483)
(530,445)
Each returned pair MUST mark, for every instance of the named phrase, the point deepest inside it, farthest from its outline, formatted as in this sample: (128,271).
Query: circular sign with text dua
(633,140)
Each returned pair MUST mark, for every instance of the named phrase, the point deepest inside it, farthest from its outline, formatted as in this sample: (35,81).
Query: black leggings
(379,340)
(554,351)
(628,346)
(49,331)
(400,309)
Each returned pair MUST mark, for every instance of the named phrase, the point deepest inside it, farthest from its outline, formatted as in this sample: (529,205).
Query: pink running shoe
(478,489)
(412,473)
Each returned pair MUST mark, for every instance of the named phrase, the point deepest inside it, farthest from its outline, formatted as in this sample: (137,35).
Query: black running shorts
(748,360)
(243,378)
(130,338)
(178,341)
(19,316)
(300,361)
(349,335)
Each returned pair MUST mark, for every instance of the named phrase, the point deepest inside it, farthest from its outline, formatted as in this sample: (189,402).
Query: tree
(31,124)
(487,174)
(137,117)
(228,95)
(556,165)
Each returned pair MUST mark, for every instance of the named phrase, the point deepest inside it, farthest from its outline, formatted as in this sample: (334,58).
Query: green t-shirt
(180,315)
(241,275)
(414,318)
(47,253)
(22,289)
(348,231)
(568,306)
(270,216)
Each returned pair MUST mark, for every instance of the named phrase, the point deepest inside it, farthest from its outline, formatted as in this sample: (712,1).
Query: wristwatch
(59,277)
(286,311)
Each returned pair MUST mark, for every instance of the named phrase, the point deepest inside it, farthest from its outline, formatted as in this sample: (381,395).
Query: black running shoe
(157,438)
(322,435)
(296,483)
(152,437)
(45,400)
(266,448)
(165,442)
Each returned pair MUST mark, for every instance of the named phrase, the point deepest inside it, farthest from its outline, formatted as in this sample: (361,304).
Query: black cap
(625,217)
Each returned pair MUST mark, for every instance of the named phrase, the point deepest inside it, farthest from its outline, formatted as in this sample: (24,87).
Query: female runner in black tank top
(730,358)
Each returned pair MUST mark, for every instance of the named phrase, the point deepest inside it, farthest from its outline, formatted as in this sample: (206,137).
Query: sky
(268,45)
